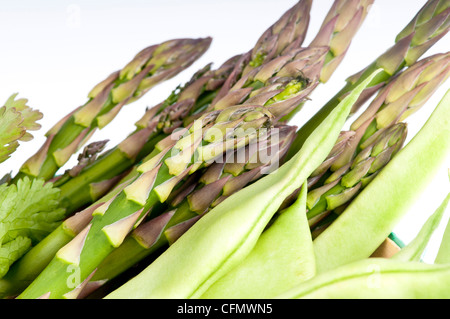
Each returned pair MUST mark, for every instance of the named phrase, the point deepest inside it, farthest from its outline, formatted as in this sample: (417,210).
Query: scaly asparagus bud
(429,26)
(404,95)
(192,201)
(337,31)
(151,66)
(286,34)
(345,183)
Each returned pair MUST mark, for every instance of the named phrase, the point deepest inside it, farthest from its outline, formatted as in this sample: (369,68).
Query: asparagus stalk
(344,184)
(281,86)
(338,29)
(149,67)
(378,135)
(193,200)
(429,25)
(206,89)
(274,40)
(96,179)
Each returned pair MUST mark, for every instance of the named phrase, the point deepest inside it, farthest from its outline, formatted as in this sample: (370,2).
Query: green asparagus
(379,135)
(149,67)
(282,86)
(223,238)
(429,26)
(192,201)
(206,88)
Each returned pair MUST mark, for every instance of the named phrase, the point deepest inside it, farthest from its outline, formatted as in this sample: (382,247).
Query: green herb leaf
(16,119)
(28,212)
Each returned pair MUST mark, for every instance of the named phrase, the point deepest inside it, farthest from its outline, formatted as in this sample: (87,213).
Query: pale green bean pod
(377,278)
(283,257)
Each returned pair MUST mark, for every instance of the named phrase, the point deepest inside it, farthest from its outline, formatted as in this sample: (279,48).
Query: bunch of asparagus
(222,135)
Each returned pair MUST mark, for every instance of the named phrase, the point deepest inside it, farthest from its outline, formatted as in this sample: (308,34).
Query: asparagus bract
(429,26)
(338,29)
(192,201)
(149,67)
(378,136)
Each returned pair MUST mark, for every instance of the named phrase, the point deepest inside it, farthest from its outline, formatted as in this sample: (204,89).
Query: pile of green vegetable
(217,194)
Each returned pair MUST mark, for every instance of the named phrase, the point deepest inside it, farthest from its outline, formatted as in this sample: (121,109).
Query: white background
(54,52)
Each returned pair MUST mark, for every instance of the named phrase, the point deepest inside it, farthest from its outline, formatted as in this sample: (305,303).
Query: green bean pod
(443,254)
(283,257)
(415,249)
(377,278)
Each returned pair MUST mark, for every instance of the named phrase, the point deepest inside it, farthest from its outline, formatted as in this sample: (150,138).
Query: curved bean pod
(283,257)
(414,250)
(377,278)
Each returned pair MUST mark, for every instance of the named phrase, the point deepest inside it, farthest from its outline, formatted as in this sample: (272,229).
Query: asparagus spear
(149,67)
(192,201)
(338,29)
(429,25)
(378,134)
(96,179)
(16,120)
(344,184)
(274,40)
(283,86)
(206,88)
